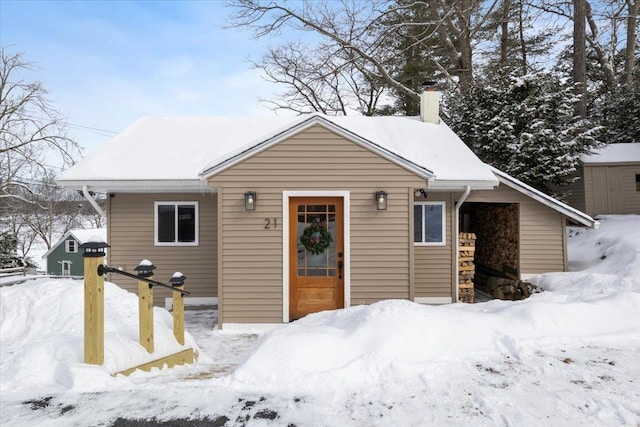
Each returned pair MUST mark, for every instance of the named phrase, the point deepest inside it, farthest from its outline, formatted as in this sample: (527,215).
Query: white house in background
(65,257)
(276,217)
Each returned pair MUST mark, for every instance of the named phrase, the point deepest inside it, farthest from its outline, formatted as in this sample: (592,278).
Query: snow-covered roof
(173,153)
(81,235)
(563,208)
(614,153)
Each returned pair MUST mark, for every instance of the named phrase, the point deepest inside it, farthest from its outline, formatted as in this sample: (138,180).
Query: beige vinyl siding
(611,189)
(315,159)
(632,195)
(434,267)
(541,229)
(131,236)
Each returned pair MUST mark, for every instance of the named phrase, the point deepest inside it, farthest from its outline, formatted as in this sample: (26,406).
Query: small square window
(176,223)
(429,223)
(637,182)
(71,247)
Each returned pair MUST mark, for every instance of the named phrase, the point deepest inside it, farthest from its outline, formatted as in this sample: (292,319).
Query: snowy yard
(569,355)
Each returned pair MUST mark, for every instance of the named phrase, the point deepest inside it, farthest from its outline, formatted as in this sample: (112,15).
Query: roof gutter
(462,199)
(92,202)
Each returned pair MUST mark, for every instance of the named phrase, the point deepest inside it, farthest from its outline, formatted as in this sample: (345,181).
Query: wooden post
(93,300)
(177,281)
(145,310)
(178,315)
(93,311)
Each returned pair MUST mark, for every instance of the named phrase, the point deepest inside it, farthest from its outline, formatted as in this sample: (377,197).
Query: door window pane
(323,263)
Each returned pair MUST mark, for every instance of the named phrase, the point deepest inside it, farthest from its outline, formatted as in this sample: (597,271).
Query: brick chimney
(430,103)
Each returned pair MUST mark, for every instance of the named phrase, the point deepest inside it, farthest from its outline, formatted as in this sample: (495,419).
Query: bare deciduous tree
(357,51)
(320,79)
(579,56)
(32,132)
(611,33)
(32,136)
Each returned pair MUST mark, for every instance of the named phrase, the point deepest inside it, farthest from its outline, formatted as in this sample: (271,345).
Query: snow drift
(41,330)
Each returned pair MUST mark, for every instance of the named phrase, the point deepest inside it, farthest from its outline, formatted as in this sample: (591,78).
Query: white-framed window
(176,223)
(71,247)
(429,220)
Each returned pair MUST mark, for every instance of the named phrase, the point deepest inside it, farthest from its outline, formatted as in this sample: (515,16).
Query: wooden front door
(316,274)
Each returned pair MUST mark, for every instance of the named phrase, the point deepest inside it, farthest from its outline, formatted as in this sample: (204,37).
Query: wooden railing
(95,269)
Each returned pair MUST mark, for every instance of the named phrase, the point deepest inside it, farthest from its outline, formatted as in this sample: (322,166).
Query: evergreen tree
(525,126)
(7,249)
(621,114)
(8,253)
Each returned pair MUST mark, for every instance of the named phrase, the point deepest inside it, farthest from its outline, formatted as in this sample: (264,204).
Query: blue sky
(108,63)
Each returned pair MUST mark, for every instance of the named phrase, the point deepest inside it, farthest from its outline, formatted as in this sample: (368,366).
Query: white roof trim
(545,199)
(305,124)
(462,185)
(140,186)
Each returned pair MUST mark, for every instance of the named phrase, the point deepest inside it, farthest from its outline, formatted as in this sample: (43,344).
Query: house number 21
(270,223)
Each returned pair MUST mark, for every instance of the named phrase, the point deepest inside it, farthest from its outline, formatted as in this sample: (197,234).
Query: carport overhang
(568,211)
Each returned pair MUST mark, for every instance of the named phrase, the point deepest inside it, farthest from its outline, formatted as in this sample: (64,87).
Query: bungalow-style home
(65,257)
(273,218)
(608,181)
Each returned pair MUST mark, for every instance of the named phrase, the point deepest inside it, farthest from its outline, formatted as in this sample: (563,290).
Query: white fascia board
(451,185)
(545,199)
(306,124)
(140,186)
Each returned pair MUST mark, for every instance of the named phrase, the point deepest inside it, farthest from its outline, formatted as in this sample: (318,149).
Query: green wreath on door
(316,238)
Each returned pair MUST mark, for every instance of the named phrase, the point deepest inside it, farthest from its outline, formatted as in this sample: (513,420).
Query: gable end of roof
(316,119)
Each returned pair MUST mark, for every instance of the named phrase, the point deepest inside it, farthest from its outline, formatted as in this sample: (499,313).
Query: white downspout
(467,190)
(85,192)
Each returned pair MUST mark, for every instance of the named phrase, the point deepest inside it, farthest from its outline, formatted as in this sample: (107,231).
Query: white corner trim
(259,328)
(432,300)
(346,212)
(168,302)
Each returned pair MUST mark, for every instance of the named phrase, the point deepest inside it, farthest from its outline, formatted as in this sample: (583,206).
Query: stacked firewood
(466,268)
(497,228)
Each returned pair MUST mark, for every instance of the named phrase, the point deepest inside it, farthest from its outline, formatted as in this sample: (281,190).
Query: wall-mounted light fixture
(250,201)
(381,200)
(421,192)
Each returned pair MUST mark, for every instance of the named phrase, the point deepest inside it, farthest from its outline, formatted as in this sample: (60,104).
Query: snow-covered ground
(569,355)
